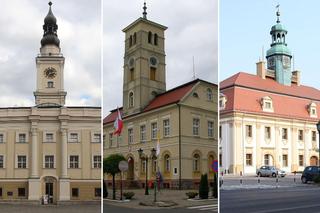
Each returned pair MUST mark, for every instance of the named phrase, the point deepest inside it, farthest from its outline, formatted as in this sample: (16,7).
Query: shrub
(316,179)
(204,188)
(192,194)
(128,195)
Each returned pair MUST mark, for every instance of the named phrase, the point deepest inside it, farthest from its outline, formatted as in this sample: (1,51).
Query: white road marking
(287,209)
(207,206)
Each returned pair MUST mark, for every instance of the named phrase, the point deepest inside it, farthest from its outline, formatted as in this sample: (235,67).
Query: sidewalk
(176,196)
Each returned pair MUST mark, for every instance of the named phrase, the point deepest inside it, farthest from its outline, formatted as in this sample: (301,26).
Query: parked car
(270,171)
(309,173)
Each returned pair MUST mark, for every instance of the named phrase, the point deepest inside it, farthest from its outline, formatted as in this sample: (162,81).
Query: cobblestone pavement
(176,196)
(251,182)
(27,208)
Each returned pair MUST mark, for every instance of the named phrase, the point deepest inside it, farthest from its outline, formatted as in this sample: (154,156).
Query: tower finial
(50,3)
(278,13)
(144,10)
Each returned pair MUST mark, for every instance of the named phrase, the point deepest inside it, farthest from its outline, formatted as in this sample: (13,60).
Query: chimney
(296,77)
(261,70)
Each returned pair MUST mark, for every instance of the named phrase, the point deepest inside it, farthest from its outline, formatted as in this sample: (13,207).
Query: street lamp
(144,157)
(318,128)
(154,157)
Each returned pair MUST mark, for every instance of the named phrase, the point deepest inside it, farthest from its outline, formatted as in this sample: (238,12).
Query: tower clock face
(153,61)
(50,72)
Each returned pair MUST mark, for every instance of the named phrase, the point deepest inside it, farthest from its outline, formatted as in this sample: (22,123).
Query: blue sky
(245,28)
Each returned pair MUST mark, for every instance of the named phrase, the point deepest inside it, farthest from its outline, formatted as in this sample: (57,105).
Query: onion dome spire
(144,11)
(50,28)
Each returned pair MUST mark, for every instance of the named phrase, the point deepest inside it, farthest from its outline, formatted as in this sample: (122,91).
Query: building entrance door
(49,192)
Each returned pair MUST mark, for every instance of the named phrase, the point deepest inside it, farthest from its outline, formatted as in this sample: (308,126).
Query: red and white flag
(118,124)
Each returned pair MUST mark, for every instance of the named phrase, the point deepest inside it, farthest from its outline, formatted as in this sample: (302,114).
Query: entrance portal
(49,192)
(49,185)
(130,173)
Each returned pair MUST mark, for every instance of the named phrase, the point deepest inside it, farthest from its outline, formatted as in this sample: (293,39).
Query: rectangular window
(220,131)
(21,192)
(143,133)
(153,73)
(96,138)
(285,160)
(74,137)
(249,159)
(210,129)
(314,136)
(49,137)
(97,192)
(195,126)
(166,127)
(300,135)
(1,138)
(49,161)
(130,136)
(248,131)
(75,192)
(0,192)
(301,161)
(268,105)
(154,130)
(22,161)
(267,132)
(104,140)
(97,161)
(284,133)
(74,161)
(1,161)
(22,138)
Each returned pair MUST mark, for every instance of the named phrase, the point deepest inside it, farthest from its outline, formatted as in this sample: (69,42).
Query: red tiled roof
(244,92)
(170,97)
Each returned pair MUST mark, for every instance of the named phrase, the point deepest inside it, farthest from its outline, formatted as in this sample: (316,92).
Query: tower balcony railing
(50,54)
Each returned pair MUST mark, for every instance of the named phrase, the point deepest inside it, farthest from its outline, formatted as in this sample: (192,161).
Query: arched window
(196,162)
(210,161)
(50,84)
(130,41)
(150,37)
(131,99)
(134,38)
(167,163)
(209,94)
(155,39)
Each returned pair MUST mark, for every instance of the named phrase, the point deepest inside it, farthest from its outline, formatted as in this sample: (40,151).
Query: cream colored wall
(235,144)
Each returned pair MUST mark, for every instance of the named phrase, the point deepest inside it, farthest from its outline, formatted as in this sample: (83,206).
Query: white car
(270,171)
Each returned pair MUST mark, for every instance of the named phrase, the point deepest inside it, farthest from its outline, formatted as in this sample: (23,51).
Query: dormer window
(266,104)
(222,101)
(312,108)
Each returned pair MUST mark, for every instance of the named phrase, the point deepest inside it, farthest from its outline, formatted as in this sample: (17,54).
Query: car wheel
(259,174)
(304,180)
(273,174)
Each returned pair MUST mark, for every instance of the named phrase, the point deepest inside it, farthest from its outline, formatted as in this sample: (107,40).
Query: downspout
(180,170)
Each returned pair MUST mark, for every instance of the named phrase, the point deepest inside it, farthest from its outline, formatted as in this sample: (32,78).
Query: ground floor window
(301,160)
(97,192)
(249,159)
(75,192)
(21,192)
(285,160)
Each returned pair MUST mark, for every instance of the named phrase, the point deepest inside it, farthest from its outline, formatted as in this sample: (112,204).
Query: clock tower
(50,64)
(144,64)
(279,56)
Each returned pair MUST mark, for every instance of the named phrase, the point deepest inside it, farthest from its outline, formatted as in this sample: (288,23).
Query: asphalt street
(268,196)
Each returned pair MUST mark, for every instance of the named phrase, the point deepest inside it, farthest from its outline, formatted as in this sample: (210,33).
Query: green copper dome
(278,27)
(279,49)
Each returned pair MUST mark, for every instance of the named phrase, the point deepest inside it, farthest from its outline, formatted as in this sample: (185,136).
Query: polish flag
(118,124)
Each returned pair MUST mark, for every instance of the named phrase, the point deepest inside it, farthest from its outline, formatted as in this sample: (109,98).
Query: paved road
(282,200)
(23,208)
(268,196)
(200,208)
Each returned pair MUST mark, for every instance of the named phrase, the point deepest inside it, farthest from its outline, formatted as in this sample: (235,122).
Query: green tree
(110,166)
(204,188)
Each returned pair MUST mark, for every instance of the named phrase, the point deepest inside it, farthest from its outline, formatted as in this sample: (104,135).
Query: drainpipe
(180,184)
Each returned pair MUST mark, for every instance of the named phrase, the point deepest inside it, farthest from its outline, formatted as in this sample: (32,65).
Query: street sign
(215,165)
(123,166)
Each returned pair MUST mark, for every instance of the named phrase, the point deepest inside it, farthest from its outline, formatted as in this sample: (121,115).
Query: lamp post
(318,128)
(154,157)
(145,158)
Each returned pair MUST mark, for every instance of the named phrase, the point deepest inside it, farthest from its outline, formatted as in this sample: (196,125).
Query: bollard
(241,178)
(277,179)
(294,177)
(221,181)
(259,180)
